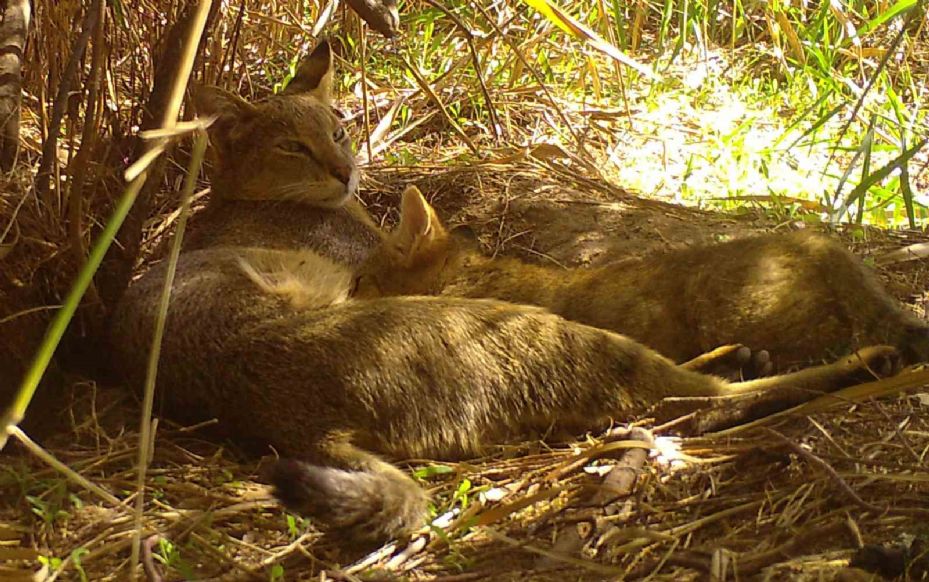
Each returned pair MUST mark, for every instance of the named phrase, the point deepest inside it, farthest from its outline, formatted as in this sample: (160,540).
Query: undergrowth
(812,111)
(822,107)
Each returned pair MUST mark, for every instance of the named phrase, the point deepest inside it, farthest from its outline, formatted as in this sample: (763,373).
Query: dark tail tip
(914,346)
(361,507)
(289,479)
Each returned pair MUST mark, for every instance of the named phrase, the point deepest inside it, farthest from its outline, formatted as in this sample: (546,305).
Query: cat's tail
(362,507)
(914,342)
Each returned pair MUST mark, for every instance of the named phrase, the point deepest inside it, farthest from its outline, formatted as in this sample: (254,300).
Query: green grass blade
(891,49)
(837,214)
(863,151)
(885,171)
(817,124)
(895,10)
(799,119)
(905,189)
(63,316)
(866,167)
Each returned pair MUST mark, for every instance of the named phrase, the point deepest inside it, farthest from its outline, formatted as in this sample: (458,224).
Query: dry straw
(842,470)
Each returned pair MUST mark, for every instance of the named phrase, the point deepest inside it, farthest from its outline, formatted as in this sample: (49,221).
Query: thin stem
(145,430)
(65,470)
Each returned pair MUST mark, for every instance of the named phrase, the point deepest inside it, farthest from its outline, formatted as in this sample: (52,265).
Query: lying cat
(261,333)
(800,296)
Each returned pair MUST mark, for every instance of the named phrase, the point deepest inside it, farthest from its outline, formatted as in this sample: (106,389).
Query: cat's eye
(338,135)
(294,147)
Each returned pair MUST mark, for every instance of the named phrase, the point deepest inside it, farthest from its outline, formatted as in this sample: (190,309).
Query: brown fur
(333,383)
(282,149)
(801,296)
(283,175)
(405,377)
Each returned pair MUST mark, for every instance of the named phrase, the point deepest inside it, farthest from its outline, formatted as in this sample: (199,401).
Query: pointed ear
(229,109)
(210,100)
(314,74)
(419,225)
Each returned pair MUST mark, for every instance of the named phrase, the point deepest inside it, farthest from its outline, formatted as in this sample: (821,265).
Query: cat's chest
(335,234)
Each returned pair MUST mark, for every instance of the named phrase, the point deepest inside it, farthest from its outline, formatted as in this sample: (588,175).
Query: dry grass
(732,498)
(742,502)
(538,169)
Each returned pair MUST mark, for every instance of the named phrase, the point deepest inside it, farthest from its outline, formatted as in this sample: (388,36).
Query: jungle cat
(283,171)
(332,383)
(800,296)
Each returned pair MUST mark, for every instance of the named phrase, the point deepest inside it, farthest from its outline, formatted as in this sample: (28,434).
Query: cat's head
(291,146)
(417,257)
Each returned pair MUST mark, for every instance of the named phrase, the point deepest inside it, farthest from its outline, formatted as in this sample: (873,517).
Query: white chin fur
(352,186)
(337,200)
(338,193)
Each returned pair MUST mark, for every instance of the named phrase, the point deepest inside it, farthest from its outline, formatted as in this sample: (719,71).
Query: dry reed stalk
(197,24)
(723,471)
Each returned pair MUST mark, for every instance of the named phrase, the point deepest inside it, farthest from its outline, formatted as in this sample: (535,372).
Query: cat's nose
(342,174)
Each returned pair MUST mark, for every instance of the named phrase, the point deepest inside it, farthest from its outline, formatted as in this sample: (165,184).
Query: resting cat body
(801,296)
(261,335)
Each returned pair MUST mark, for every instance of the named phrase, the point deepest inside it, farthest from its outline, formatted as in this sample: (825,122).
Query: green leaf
(292,525)
(76,559)
(885,171)
(898,8)
(567,23)
(905,190)
(431,471)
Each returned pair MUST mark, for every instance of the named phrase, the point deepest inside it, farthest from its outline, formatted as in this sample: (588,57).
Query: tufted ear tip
(419,224)
(314,73)
(411,197)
